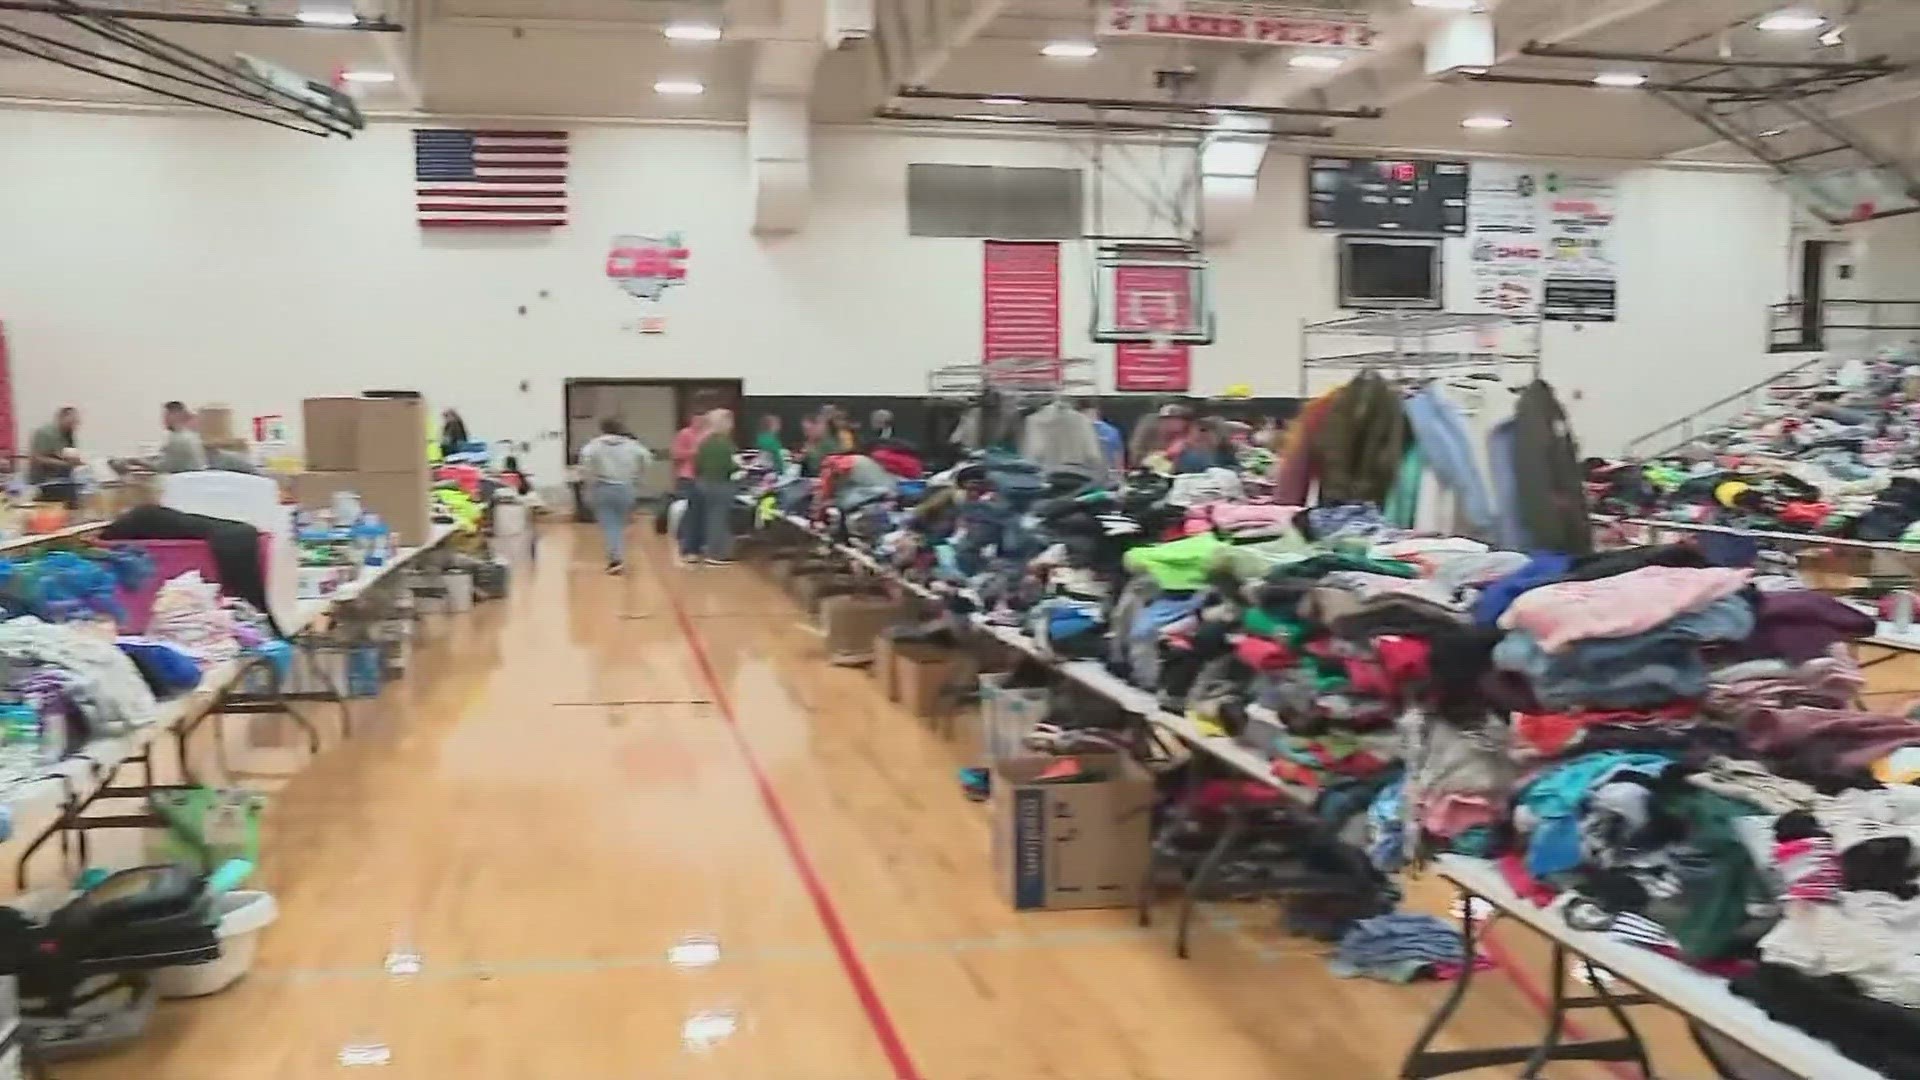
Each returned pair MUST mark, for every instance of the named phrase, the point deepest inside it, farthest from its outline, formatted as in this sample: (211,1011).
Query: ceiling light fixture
(1070,50)
(1449,5)
(1486,122)
(327,17)
(1316,61)
(1834,36)
(1771,132)
(1622,79)
(1003,101)
(1790,22)
(679,87)
(687,31)
(367,76)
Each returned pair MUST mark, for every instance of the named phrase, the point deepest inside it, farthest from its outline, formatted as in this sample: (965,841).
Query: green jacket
(1359,447)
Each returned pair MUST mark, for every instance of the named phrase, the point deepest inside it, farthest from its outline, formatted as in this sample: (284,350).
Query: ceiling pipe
(1589,84)
(1138,104)
(1874,64)
(1059,124)
(52,7)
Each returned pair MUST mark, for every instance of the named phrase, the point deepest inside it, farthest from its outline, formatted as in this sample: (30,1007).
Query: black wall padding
(927,424)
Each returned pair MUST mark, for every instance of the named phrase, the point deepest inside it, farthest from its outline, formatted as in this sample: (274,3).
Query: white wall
(146,258)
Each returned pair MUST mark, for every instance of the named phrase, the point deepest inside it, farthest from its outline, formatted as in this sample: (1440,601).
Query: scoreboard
(1379,195)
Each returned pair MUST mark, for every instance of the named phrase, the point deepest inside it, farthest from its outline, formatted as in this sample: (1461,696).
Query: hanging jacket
(1548,483)
(1441,431)
(1359,447)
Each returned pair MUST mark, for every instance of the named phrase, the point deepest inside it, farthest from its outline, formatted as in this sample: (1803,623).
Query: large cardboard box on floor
(400,498)
(927,676)
(1071,845)
(1008,715)
(853,621)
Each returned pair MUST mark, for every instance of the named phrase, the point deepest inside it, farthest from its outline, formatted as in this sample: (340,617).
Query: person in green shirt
(768,442)
(709,523)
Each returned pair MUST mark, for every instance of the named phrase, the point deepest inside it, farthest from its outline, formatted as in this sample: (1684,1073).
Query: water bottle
(363,536)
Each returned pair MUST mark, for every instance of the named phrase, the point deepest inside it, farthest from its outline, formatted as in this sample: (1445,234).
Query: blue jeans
(612,505)
(707,527)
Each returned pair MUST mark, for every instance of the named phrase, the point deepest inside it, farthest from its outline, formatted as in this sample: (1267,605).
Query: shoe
(719,562)
(687,560)
(616,568)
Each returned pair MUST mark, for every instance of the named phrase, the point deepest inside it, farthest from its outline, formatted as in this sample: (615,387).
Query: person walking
(709,517)
(685,442)
(613,463)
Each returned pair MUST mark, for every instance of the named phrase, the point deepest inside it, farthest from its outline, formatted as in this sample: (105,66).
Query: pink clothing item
(685,442)
(1809,867)
(1456,812)
(1620,606)
(1235,517)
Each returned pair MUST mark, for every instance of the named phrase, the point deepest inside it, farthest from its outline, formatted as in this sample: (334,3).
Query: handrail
(1685,423)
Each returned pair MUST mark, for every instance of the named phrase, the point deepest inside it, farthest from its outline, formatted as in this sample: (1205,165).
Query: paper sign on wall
(1581,276)
(1505,245)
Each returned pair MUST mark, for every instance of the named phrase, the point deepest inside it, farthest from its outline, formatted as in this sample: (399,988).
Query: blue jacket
(1441,431)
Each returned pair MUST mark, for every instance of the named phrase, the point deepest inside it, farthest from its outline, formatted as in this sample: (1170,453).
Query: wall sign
(1020,300)
(1505,242)
(1581,281)
(1240,22)
(645,267)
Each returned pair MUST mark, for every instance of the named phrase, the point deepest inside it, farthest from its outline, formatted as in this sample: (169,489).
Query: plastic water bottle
(364,536)
(380,539)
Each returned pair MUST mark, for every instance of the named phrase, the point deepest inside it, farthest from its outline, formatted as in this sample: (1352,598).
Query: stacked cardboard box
(374,447)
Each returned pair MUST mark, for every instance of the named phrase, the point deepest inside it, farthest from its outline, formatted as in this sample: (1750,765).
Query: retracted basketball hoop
(1151,290)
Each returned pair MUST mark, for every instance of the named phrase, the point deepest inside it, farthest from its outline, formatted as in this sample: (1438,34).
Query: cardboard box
(852,622)
(1077,845)
(400,498)
(925,675)
(393,435)
(1009,715)
(215,423)
(332,429)
(883,666)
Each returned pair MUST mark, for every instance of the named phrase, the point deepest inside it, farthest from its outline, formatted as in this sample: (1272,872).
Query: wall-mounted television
(1389,272)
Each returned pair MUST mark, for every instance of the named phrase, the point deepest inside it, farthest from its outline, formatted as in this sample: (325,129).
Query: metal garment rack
(1419,344)
(1014,376)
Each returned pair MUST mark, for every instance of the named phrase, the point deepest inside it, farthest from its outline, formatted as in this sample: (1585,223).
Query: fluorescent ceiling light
(1486,123)
(367,76)
(1771,132)
(1833,37)
(1073,50)
(1791,21)
(327,17)
(687,31)
(1317,61)
(1624,79)
(679,87)
(1003,101)
(1449,5)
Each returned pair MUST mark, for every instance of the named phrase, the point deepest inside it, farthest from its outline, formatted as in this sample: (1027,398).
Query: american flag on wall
(466,179)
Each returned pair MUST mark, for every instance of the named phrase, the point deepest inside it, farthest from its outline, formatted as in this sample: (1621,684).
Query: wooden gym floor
(575,781)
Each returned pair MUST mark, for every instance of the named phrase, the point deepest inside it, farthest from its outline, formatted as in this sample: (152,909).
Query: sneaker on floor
(616,568)
(687,560)
(719,562)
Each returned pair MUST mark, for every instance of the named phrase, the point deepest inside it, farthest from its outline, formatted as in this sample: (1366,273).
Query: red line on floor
(1530,990)
(878,1018)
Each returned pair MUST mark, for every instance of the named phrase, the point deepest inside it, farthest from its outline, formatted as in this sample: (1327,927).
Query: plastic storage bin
(243,914)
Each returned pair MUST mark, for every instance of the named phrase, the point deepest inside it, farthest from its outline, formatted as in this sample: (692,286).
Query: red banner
(1147,298)
(1021,301)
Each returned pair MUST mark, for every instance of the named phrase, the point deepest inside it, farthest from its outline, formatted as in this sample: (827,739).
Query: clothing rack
(1404,345)
(1014,376)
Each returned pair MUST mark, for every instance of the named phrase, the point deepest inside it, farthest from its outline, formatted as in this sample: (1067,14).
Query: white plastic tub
(243,914)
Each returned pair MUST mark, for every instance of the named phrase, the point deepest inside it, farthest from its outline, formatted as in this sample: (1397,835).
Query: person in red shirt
(685,442)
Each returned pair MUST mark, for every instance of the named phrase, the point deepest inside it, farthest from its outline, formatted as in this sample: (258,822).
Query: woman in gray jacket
(611,465)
